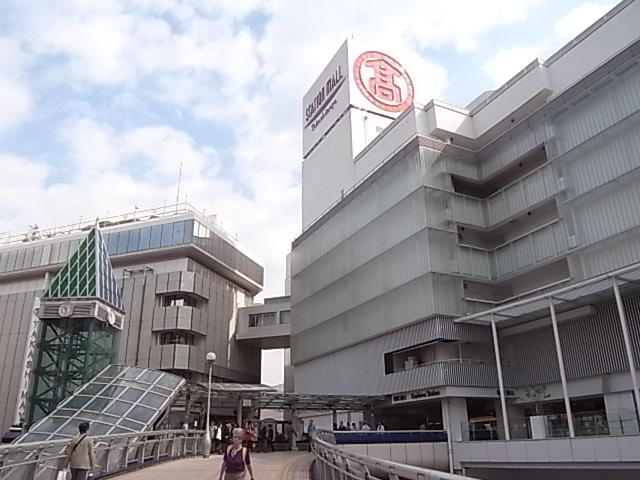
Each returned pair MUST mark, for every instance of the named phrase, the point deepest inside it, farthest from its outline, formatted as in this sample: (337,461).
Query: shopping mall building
(478,264)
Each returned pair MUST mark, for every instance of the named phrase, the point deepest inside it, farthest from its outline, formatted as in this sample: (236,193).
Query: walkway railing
(113,454)
(333,463)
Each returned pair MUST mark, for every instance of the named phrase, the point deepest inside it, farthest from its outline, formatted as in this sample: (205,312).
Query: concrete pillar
(239,413)
(621,414)
(454,414)
(335,417)
(517,421)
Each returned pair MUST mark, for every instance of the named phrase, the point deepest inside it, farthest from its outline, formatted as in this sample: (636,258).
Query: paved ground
(266,466)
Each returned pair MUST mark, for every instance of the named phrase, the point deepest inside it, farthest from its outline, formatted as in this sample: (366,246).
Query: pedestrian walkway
(267,466)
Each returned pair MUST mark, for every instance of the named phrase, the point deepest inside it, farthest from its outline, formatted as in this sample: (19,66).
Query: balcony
(541,245)
(177,357)
(531,189)
(468,210)
(473,262)
(179,318)
(443,373)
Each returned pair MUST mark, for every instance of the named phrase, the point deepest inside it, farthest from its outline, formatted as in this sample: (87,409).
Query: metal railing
(112,453)
(333,463)
(106,221)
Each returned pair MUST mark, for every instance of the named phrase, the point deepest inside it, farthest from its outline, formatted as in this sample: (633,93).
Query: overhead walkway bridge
(129,409)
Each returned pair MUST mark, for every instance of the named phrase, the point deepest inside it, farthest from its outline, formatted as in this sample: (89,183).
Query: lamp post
(206,442)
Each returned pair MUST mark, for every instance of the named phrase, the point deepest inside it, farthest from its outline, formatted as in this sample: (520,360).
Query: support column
(335,417)
(239,413)
(503,399)
(563,376)
(627,344)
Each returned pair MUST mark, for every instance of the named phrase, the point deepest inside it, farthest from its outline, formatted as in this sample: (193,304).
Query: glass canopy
(120,399)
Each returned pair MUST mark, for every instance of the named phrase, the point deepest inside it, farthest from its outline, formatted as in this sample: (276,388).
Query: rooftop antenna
(179,180)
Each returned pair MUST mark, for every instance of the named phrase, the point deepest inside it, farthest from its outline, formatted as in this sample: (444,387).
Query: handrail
(112,453)
(332,460)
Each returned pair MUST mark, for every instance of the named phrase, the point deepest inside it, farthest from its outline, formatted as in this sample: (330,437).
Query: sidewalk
(266,466)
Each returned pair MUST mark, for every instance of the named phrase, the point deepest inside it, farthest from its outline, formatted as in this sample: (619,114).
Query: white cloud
(579,19)
(510,60)
(507,62)
(15,103)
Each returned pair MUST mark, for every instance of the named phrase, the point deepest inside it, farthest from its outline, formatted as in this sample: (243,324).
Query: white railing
(334,463)
(83,225)
(112,453)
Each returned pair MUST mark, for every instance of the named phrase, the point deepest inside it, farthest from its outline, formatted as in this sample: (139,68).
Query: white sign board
(369,80)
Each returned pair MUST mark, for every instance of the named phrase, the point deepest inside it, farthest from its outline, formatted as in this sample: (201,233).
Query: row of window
(138,239)
(268,319)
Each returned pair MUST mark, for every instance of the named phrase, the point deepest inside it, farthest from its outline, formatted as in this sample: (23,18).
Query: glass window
(4,259)
(98,404)
(132,394)
(178,233)
(20,259)
(145,238)
(141,414)
(63,256)
(93,388)
(134,240)
(188,231)
(156,236)
(77,402)
(123,242)
(153,400)
(167,234)
(112,391)
(130,424)
(36,254)
(285,317)
(119,408)
(12,261)
(149,376)
(112,244)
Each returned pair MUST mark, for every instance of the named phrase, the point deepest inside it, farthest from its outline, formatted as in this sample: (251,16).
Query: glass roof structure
(594,290)
(120,399)
(226,395)
(88,273)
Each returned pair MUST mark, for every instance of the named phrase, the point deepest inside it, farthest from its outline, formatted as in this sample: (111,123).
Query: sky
(102,100)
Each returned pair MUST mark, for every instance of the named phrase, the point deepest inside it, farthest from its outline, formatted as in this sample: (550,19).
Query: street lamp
(206,443)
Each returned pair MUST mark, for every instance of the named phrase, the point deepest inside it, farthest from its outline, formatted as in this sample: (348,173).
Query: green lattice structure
(88,273)
(76,346)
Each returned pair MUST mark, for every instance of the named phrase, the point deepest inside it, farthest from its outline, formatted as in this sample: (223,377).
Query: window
(285,317)
(263,319)
(156,236)
(176,338)
(134,240)
(179,301)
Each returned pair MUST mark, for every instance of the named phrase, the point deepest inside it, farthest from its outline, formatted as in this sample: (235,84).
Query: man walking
(310,429)
(79,456)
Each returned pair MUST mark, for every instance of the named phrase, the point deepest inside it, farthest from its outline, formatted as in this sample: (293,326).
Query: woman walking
(236,461)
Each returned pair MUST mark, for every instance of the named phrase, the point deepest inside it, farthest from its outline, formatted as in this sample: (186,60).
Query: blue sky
(101,100)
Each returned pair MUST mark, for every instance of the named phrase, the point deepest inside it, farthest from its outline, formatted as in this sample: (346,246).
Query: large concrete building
(425,226)
(182,279)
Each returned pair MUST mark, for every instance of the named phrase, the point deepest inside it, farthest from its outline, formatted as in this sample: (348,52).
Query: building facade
(451,212)
(182,279)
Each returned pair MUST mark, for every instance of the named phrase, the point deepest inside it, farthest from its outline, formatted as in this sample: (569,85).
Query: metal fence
(333,463)
(113,454)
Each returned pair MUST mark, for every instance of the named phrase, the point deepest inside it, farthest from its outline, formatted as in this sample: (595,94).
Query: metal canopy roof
(226,395)
(594,290)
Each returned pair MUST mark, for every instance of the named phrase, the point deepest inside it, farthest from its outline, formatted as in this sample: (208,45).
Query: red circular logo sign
(383,81)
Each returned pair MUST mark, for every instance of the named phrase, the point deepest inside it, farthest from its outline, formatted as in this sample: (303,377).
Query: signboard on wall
(369,80)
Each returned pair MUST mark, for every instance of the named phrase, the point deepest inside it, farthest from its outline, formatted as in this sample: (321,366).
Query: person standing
(291,437)
(270,435)
(310,429)
(79,456)
(237,460)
